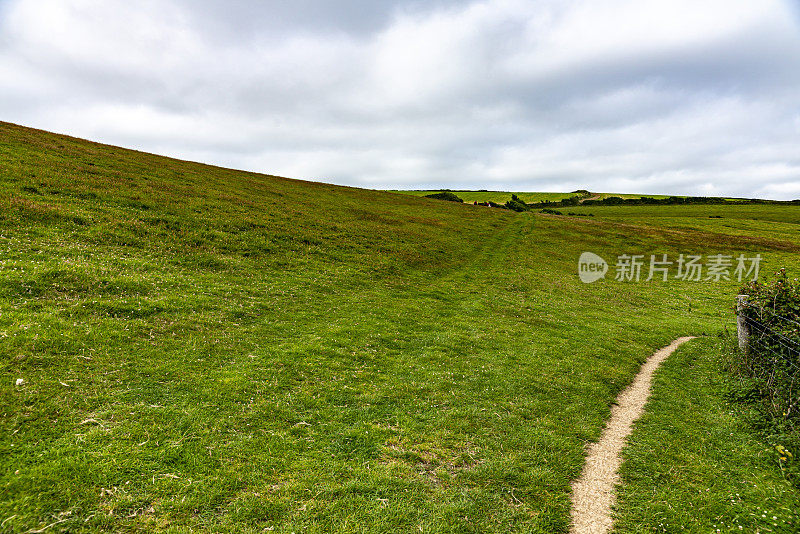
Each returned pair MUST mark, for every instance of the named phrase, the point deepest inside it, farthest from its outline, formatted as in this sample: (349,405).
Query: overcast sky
(644,96)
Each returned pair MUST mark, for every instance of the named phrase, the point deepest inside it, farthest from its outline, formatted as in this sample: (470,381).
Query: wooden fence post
(742,328)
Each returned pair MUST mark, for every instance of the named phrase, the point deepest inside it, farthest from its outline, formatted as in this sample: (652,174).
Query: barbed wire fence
(770,346)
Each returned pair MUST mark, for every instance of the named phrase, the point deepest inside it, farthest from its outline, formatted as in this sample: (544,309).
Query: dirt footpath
(593,492)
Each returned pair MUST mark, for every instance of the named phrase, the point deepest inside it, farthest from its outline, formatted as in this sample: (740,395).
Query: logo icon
(591,267)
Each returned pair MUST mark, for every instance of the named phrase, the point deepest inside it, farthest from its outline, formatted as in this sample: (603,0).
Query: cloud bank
(667,96)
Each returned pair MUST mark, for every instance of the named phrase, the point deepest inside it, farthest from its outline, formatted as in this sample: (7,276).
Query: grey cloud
(231,19)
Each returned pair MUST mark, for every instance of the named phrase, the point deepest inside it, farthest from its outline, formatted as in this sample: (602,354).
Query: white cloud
(649,96)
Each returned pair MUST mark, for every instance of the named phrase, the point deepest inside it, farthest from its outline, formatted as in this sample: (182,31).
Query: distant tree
(516,204)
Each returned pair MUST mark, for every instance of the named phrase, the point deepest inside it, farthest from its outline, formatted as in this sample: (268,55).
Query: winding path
(593,492)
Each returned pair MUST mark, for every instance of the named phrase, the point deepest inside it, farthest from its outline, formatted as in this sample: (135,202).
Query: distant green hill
(500,197)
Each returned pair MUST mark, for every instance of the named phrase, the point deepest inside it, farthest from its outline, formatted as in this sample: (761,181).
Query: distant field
(629,195)
(190,348)
(779,222)
(500,197)
(698,213)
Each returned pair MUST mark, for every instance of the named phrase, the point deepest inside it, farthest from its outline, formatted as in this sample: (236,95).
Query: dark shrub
(445,195)
(516,204)
(772,361)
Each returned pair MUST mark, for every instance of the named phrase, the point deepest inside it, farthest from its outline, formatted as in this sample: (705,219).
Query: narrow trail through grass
(695,461)
(593,492)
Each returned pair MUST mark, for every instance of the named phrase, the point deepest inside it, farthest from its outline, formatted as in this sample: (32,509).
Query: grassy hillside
(210,349)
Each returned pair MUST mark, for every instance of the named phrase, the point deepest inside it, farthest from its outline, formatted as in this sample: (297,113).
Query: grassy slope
(213,349)
(692,466)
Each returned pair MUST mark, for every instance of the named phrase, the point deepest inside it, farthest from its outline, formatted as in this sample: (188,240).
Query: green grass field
(629,195)
(751,221)
(215,350)
(691,464)
(500,197)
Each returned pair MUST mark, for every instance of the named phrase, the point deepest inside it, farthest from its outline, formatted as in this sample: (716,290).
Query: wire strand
(766,348)
(780,316)
(763,327)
